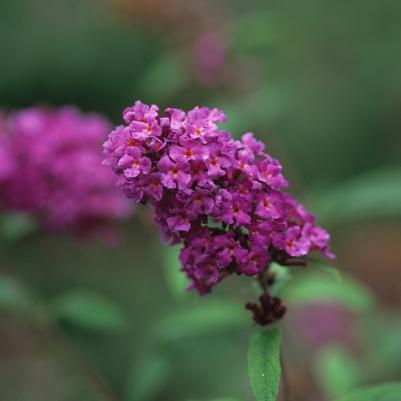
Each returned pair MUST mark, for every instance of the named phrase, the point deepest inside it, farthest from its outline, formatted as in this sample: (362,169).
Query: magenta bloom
(221,198)
(6,160)
(173,174)
(56,174)
(133,163)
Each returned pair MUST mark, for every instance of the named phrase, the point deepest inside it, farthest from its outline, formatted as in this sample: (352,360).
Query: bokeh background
(320,83)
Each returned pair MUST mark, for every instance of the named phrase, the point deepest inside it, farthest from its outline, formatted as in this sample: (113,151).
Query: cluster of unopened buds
(221,198)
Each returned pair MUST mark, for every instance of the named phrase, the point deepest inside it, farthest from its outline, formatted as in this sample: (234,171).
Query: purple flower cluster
(50,166)
(221,198)
(6,161)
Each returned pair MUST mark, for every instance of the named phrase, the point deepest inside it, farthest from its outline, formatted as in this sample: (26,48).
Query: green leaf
(264,364)
(14,226)
(380,392)
(337,371)
(375,194)
(89,310)
(13,296)
(313,287)
(328,269)
(176,279)
(386,331)
(242,114)
(148,376)
(201,319)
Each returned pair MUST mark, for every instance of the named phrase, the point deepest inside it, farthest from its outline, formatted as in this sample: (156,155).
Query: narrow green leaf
(386,331)
(328,269)
(89,310)
(374,194)
(243,113)
(147,378)
(314,287)
(337,372)
(380,392)
(264,364)
(200,319)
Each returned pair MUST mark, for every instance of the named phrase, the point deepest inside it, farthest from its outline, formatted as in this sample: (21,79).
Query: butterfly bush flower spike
(222,199)
(50,167)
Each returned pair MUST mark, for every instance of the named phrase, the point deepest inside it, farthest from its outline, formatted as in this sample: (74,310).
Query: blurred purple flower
(57,173)
(323,323)
(210,57)
(6,160)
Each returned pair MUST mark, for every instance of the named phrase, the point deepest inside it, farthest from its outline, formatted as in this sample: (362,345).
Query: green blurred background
(320,83)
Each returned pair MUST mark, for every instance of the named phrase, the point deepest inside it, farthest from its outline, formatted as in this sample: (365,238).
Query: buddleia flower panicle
(222,199)
(50,167)
(7,163)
